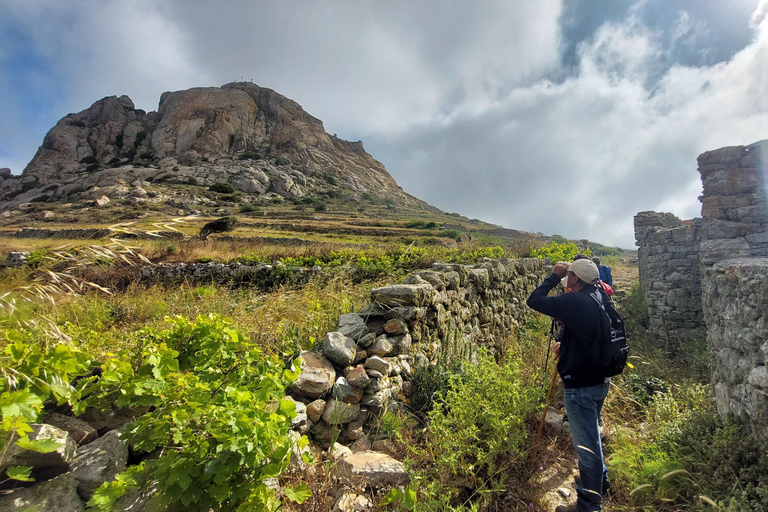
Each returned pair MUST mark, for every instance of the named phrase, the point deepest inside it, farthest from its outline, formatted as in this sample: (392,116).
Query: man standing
(585,390)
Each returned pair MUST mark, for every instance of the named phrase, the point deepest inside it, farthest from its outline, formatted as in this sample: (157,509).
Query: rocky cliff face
(253,138)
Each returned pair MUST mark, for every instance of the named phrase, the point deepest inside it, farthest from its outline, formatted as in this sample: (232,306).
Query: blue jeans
(583,406)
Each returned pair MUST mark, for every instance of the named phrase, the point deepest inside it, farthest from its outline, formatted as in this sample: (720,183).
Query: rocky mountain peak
(256,140)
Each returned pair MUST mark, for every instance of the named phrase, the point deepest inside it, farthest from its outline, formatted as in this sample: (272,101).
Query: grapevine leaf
(20,473)
(299,494)
(38,445)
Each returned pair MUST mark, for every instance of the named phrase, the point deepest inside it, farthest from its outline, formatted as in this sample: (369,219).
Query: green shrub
(728,460)
(222,188)
(251,155)
(217,408)
(557,251)
(634,309)
(232,198)
(37,257)
(450,233)
(416,224)
(478,426)
(282,161)
(247,208)
(320,207)
(330,179)
(218,226)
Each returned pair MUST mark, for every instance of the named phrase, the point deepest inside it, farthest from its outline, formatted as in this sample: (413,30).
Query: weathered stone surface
(348,501)
(80,431)
(358,377)
(337,412)
(381,347)
(352,326)
(16,259)
(375,469)
(395,326)
(367,340)
(317,375)
(721,261)
(56,495)
(46,464)
(111,420)
(385,446)
(315,410)
(378,364)
(99,462)
(345,392)
(403,295)
(339,349)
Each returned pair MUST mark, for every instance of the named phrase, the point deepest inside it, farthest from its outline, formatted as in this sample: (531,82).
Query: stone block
(80,431)
(372,468)
(99,462)
(317,375)
(45,465)
(403,295)
(339,349)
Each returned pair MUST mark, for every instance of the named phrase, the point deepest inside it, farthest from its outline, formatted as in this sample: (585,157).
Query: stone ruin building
(710,275)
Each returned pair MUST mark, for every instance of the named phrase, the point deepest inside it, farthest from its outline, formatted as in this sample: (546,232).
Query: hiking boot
(567,508)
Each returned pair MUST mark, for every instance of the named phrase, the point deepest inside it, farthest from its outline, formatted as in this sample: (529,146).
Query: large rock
(338,412)
(46,465)
(352,326)
(345,392)
(99,462)
(339,349)
(371,468)
(81,431)
(317,375)
(403,295)
(56,495)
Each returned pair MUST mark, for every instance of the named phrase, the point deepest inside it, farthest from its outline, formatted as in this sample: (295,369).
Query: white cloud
(580,158)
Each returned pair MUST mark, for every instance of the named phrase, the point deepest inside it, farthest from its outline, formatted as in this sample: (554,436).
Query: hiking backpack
(612,339)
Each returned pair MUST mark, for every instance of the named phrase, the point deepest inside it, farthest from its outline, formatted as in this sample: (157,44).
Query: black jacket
(581,316)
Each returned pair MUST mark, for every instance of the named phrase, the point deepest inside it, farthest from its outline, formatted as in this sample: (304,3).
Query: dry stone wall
(731,244)
(668,257)
(733,250)
(368,362)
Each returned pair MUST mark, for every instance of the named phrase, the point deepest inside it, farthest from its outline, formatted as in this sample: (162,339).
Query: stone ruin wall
(733,271)
(668,260)
(367,364)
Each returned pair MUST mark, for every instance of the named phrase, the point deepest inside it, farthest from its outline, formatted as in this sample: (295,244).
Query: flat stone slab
(372,468)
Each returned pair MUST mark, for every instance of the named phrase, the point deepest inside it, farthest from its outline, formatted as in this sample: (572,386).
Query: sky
(552,116)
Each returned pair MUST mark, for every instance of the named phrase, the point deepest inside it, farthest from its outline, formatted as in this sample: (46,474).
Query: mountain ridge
(253,138)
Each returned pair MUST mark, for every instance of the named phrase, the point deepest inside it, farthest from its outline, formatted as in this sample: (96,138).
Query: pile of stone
(68,476)
(16,259)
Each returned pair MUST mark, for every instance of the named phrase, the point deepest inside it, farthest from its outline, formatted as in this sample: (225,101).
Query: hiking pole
(544,414)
